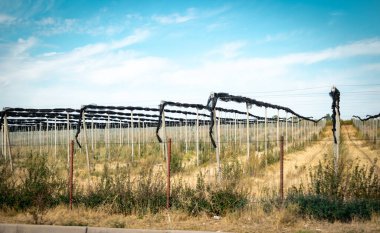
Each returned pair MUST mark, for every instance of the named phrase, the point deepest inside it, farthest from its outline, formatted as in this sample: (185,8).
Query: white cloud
(111,73)
(191,14)
(46,21)
(215,11)
(359,48)
(54,26)
(94,49)
(50,26)
(228,50)
(175,18)
(91,62)
(6,19)
(22,46)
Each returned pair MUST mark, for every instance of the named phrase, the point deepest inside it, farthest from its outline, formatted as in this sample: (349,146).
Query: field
(120,178)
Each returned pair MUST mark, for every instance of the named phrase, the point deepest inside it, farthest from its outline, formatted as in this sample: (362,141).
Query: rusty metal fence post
(168,174)
(282,168)
(71,173)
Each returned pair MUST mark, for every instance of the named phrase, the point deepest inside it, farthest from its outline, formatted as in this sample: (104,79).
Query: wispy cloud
(281,36)
(190,14)
(81,62)
(366,47)
(6,19)
(93,49)
(286,70)
(98,68)
(17,49)
(228,50)
(53,26)
(175,18)
(335,17)
(46,21)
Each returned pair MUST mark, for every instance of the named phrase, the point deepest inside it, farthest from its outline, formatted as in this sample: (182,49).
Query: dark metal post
(282,168)
(168,177)
(71,173)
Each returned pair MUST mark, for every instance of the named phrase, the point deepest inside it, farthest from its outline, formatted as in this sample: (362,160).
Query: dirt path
(358,149)
(296,166)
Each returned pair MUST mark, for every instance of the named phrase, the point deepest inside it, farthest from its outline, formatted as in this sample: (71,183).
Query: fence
(368,127)
(127,134)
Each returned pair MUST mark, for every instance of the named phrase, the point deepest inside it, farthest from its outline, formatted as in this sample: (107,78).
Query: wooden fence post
(168,174)
(71,173)
(282,168)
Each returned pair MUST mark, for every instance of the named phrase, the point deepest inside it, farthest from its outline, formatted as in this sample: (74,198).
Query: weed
(351,191)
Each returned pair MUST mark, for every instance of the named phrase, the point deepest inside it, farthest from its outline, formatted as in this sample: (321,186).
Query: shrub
(223,200)
(176,163)
(324,208)
(150,193)
(40,187)
(7,185)
(192,201)
(232,173)
(353,191)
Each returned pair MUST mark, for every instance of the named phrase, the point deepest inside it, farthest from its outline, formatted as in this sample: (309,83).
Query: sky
(138,53)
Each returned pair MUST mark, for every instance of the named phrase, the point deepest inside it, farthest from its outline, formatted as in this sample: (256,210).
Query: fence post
(186,146)
(168,175)
(139,134)
(257,136)
(335,95)
(3,141)
(40,139)
(265,139)
(71,173)
(68,139)
(164,135)
(197,138)
(7,141)
(86,141)
(286,131)
(108,126)
(248,107)
(132,136)
(282,168)
(55,138)
(235,131)
(92,137)
(217,149)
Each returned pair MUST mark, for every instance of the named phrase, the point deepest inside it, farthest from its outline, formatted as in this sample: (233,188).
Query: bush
(324,208)
(7,185)
(118,192)
(39,189)
(213,200)
(150,193)
(223,200)
(353,191)
(273,157)
(176,163)
(232,173)
(350,181)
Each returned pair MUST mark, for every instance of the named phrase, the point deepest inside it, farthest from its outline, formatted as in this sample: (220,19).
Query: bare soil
(359,149)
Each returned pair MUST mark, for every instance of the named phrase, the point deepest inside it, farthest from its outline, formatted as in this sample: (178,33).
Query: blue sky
(69,53)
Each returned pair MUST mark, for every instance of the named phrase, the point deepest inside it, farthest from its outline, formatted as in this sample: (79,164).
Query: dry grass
(252,220)
(364,151)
